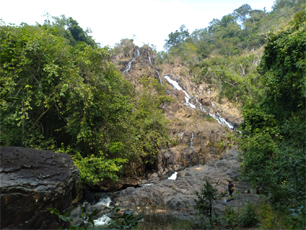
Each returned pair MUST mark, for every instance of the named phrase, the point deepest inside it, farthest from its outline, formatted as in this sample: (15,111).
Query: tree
(242,13)
(205,203)
(177,38)
(274,142)
(73,99)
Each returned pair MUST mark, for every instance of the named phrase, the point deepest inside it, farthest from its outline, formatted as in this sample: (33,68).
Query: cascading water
(217,117)
(178,87)
(191,141)
(160,81)
(173,176)
(105,201)
(135,55)
(102,220)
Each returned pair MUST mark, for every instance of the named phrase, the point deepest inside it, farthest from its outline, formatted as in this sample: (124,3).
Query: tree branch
(41,116)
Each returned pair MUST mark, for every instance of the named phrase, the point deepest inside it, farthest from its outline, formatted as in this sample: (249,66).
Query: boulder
(33,181)
(109,185)
(178,195)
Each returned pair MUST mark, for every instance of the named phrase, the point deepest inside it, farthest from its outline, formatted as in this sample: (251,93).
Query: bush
(249,217)
(269,219)
(231,218)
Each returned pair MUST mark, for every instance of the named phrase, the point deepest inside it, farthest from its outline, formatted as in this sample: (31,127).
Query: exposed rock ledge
(175,198)
(174,195)
(32,181)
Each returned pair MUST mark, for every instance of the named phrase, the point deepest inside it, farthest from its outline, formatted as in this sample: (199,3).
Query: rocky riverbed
(175,198)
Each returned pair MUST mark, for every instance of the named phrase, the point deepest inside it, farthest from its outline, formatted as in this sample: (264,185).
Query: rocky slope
(179,194)
(175,198)
(201,128)
(203,148)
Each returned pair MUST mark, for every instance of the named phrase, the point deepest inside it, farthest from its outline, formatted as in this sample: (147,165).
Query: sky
(146,21)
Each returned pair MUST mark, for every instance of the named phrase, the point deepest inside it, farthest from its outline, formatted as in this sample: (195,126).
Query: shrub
(231,218)
(183,72)
(268,217)
(249,217)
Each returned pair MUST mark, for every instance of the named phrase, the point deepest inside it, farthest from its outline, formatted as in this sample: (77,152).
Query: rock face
(196,135)
(177,196)
(32,181)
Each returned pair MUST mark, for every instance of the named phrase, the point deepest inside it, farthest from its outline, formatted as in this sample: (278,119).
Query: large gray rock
(32,181)
(177,196)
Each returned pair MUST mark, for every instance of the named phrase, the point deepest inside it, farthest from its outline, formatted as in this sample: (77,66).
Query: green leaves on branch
(95,168)
(273,143)
(73,99)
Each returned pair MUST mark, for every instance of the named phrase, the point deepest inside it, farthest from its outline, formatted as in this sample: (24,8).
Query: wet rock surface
(32,181)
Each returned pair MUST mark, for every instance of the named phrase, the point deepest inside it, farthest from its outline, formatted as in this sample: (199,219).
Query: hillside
(130,116)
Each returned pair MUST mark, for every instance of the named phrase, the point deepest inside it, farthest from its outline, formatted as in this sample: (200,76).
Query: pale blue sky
(111,20)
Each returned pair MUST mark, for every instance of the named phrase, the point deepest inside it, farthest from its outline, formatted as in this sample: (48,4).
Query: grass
(162,221)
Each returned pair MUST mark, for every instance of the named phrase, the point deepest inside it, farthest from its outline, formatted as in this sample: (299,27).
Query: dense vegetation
(274,141)
(227,52)
(59,91)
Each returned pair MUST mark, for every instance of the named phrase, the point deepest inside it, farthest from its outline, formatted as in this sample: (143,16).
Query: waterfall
(173,176)
(217,117)
(102,220)
(129,65)
(178,87)
(191,141)
(160,81)
(105,201)
(136,54)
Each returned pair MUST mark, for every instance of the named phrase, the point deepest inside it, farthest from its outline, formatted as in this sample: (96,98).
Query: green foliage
(69,29)
(273,143)
(66,218)
(205,203)
(73,99)
(249,217)
(297,218)
(94,168)
(269,219)
(235,78)
(283,65)
(235,34)
(177,38)
(231,217)
(125,221)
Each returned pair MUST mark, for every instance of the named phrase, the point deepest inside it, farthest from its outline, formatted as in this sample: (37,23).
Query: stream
(106,200)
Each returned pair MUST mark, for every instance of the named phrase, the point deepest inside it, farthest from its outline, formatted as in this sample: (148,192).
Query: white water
(160,81)
(105,201)
(191,141)
(173,176)
(217,117)
(145,185)
(102,220)
(129,65)
(178,87)
(221,120)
